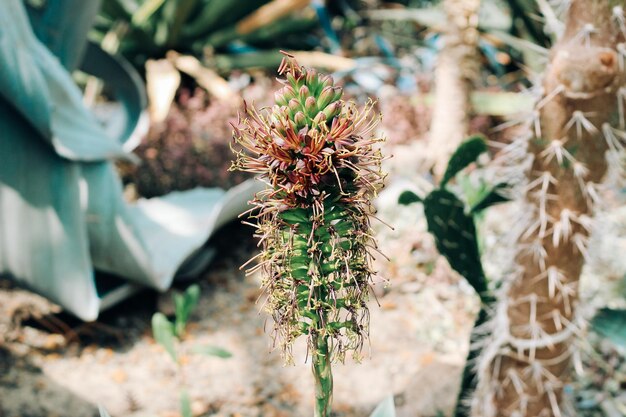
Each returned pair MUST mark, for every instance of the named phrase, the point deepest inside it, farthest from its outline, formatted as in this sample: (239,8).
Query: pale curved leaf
(386,408)
(36,84)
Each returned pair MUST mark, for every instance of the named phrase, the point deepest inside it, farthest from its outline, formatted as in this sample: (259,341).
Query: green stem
(323,377)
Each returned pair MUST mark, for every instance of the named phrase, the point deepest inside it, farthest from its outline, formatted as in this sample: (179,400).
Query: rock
(433,389)
(32,393)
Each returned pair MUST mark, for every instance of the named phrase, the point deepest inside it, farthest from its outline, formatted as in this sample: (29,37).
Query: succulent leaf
(455,236)
(465,154)
(408,197)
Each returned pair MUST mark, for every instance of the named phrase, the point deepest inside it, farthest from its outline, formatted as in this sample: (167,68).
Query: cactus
(319,157)
(458,68)
(451,222)
(574,137)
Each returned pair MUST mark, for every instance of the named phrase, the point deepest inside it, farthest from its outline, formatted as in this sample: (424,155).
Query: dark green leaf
(181,11)
(295,215)
(408,197)
(455,237)
(218,14)
(465,154)
(163,332)
(212,351)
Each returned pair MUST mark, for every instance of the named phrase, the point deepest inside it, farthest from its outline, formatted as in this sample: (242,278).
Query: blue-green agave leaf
(38,86)
(103,411)
(386,408)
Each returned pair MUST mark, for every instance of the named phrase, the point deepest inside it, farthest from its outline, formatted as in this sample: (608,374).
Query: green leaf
(386,408)
(218,14)
(490,198)
(185,404)
(145,11)
(163,332)
(465,154)
(455,237)
(408,197)
(212,351)
(181,11)
(184,305)
(611,324)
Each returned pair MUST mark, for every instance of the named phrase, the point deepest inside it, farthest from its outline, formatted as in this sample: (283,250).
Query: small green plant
(168,333)
(320,159)
(184,304)
(451,222)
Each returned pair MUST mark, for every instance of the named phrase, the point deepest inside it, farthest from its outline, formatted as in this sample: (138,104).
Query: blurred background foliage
(249,33)
(199,58)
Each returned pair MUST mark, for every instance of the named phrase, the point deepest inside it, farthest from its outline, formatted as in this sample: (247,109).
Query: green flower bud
(304,92)
(295,83)
(311,76)
(319,118)
(310,105)
(332,110)
(338,93)
(288,92)
(299,119)
(279,98)
(294,106)
(326,97)
(326,81)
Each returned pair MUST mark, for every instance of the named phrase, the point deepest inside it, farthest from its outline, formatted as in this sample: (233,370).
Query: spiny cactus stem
(323,377)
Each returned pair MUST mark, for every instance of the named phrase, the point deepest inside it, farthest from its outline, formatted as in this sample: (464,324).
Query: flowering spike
(322,163)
